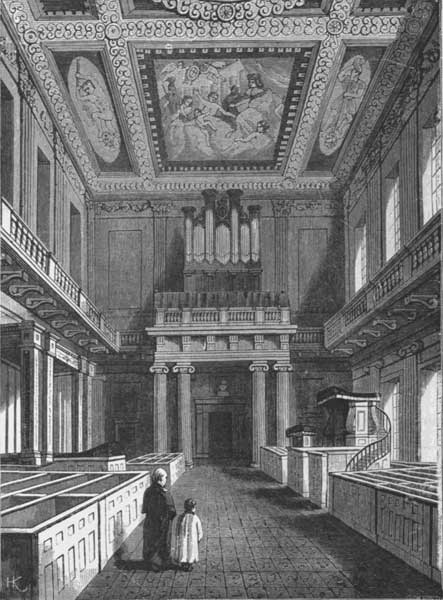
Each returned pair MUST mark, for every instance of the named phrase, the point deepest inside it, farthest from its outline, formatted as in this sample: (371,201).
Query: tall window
(359,257)
(7,144)
(392,215)
(431,170)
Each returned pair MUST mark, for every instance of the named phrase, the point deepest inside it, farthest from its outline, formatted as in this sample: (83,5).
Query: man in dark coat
(159,508)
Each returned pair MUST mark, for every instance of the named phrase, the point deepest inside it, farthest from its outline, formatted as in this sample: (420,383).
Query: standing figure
(159,508)
(186,536)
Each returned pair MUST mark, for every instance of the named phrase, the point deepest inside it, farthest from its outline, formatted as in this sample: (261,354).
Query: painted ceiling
(180,95)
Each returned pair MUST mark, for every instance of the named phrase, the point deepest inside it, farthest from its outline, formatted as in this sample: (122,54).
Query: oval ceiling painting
(348,92)
(93,103)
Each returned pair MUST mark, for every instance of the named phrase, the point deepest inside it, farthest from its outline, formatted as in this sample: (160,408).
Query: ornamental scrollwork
(227,12)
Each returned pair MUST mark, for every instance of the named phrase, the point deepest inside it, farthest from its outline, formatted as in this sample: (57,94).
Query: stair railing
(376,450)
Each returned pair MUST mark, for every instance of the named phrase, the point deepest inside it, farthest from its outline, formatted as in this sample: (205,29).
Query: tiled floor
(261,541)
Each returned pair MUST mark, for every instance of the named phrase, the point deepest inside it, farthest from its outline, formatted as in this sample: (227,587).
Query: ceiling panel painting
(352,82)
(223,109)
(85,80)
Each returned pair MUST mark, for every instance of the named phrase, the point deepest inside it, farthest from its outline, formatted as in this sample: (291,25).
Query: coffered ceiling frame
(341,26)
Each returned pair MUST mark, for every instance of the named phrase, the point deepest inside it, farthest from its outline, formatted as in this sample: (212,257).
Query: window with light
(360,276)
(431,170)
(392,215)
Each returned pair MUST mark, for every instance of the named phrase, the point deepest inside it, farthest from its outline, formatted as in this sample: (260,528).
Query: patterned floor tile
(261,541)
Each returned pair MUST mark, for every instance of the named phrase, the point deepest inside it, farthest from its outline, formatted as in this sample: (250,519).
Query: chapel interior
(221,236)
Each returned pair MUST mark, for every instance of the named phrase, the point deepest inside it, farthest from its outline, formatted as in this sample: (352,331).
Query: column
(282,404)
(259,371)
(47,410)
(30,388)
(254,212)
(160,409)
(189,232)
(184,411)
(209,196)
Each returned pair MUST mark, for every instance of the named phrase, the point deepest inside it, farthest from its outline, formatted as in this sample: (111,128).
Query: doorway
(220,434)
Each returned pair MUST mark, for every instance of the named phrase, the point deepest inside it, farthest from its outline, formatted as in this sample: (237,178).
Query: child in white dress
(187,533)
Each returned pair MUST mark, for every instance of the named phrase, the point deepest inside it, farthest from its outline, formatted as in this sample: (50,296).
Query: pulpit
(352,417)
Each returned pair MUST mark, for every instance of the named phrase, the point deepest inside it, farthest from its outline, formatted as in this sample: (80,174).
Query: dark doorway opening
(220,434)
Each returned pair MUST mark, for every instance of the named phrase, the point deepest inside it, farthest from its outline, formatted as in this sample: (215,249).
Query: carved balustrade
(41,266)
(405,270)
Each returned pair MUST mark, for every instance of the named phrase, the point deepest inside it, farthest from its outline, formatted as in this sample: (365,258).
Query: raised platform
(395,508)
(59,529)
(173,463)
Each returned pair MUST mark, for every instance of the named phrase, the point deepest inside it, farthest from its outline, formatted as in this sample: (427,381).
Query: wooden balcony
(34,278)
(405,287)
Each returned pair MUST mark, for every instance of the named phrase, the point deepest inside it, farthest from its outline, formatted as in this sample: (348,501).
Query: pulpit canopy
(333,395)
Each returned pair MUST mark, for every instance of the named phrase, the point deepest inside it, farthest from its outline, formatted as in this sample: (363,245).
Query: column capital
(183,369)
(283,367)
(159,369)
(51,343)
(262,367)
(31,334)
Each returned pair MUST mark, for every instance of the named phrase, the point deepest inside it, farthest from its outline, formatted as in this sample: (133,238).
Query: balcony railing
(221,309)
(15,230)
(412,261)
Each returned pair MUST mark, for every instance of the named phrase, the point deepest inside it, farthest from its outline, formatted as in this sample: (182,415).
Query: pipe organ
(222,244)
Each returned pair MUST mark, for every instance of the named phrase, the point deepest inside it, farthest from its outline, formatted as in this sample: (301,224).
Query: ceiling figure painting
(93,103)
(86,83)
(229,109)
(220,109)
(345,102)
(348,92)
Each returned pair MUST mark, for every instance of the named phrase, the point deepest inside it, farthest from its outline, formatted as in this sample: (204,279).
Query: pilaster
(282,405)
(258,371)
(31,348)
(184,417)
(160,372)
(47,409)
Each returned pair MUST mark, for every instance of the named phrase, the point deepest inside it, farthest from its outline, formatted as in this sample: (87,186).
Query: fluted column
(31,386)
(259,371)
(160,408)
(184,411)
(47,409)
(189,232)
(282,404)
